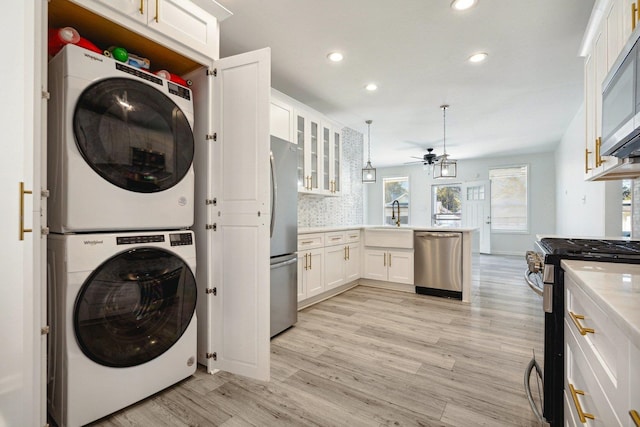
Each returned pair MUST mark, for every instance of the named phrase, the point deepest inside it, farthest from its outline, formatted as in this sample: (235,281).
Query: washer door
(134,307)
(133,135)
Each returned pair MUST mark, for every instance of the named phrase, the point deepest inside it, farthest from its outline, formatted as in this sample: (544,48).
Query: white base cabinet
(389,265)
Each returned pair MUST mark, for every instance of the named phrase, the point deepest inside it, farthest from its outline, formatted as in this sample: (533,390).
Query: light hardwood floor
(372,357)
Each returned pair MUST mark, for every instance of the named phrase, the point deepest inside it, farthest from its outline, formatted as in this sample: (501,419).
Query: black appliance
(544,270)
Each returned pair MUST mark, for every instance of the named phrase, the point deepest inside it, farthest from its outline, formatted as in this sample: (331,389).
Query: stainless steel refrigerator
(284,235)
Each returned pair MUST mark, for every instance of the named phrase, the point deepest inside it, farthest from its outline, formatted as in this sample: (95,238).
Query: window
(446,205)
(396,189)
(509,199)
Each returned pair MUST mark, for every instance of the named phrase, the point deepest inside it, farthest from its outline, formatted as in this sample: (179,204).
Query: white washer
(120,147)
(122,317)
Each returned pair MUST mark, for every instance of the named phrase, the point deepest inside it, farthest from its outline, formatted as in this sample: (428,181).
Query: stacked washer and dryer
(121,257)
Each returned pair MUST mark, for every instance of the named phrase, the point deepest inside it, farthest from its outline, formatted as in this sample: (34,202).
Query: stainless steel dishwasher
(438,263)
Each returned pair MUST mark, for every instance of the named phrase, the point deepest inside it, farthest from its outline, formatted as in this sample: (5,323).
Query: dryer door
(133,135)
(134,307)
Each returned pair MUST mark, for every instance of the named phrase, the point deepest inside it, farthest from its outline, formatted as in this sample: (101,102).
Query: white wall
(541,196)
(583,208)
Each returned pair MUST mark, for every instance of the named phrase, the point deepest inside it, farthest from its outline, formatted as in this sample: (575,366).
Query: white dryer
(122,317)
(120,147)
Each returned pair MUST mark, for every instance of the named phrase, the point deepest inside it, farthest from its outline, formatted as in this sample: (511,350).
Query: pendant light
(446,167)
(368,172)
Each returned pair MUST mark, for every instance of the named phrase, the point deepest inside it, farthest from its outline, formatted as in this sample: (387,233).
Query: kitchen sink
(389,237)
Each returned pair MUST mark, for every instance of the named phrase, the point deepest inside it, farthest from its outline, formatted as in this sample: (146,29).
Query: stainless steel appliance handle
(535,289)
(533,364)
(284,263)
(274,194)
(437,234)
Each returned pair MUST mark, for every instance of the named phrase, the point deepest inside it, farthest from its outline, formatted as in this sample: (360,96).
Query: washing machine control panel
(181,239)
(130,240)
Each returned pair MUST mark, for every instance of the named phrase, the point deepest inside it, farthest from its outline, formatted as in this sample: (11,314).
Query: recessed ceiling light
(335,56)
(478,57)
(463,4)
(371,87)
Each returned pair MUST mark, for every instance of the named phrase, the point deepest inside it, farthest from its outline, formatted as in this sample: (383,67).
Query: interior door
(476,212)
(22,293)
(240,164)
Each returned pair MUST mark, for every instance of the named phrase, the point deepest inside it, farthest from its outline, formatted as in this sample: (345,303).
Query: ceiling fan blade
(415,163)
(416,157)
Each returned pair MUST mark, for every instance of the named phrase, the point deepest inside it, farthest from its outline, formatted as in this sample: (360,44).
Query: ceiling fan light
(445,169)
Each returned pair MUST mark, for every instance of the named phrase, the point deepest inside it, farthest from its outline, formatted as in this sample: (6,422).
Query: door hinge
(210,137)
(46,95)
(213,227)
(44,193)
(45,330)
(213,356)
(213,291)
(213,201)
(44,231)
(213,72)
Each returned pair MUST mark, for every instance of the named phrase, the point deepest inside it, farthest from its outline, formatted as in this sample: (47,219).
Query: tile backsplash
(346,209)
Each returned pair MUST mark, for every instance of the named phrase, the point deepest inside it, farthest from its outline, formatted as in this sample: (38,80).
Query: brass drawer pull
(583,415)
(635,417)
(634,12)
(576,321)
(141,7)
(156,17)
(586,160)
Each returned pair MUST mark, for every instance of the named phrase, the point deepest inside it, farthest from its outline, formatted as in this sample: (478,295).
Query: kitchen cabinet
(310,265)
(390,265)
(23,292)
(181,25)
(319,154)
(606,36)
(342,258)
(282,118)
(599,367)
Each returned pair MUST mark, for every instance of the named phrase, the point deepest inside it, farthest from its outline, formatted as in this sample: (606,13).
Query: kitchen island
(334,259)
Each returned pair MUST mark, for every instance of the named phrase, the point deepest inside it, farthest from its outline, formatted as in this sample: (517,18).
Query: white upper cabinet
(282,118)
(180,25)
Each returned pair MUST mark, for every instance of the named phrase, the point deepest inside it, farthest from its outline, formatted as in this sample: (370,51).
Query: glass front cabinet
(319,155)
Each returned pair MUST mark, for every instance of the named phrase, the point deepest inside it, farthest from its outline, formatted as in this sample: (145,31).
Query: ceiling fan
(429,158)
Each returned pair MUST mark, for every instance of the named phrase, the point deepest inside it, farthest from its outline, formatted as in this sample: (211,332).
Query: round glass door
(134,307)
(133,135)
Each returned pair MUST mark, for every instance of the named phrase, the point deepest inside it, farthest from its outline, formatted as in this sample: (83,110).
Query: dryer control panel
(181,239)
(130,240)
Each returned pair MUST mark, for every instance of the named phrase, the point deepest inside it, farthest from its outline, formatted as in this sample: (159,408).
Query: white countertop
(615,288)
(305,230)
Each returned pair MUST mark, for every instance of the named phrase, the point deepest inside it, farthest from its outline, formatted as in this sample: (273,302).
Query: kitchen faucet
(393,212)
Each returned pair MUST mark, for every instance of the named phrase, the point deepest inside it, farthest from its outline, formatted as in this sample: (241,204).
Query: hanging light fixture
(368,171)
(446,167)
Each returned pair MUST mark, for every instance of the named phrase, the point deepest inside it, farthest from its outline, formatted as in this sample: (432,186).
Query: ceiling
(519,101)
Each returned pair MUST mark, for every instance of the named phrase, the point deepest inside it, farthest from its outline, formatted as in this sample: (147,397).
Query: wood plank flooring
(373,357)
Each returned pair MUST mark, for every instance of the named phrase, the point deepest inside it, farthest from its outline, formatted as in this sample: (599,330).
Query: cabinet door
(314,155)
(301,140)
(136,9)
(315,273)
(183,21)
(335,258)
(281,120)
(629,18)
(327,138)
(375,264)
(302,279)
(336,162)
(400,266)
(239,323)
(613,21)
(590,114)
(352,266)
(23,290)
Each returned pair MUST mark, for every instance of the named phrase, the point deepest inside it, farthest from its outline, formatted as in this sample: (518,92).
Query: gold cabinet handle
(310,266)
(156,17)
(23,230)
(576,321)
(586,160)
(384,259)
(345,253)
(348,252)
(389,260)
(635,417)
(141,7)
(634,12)
(583,415)
(305,262)
(599,160)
